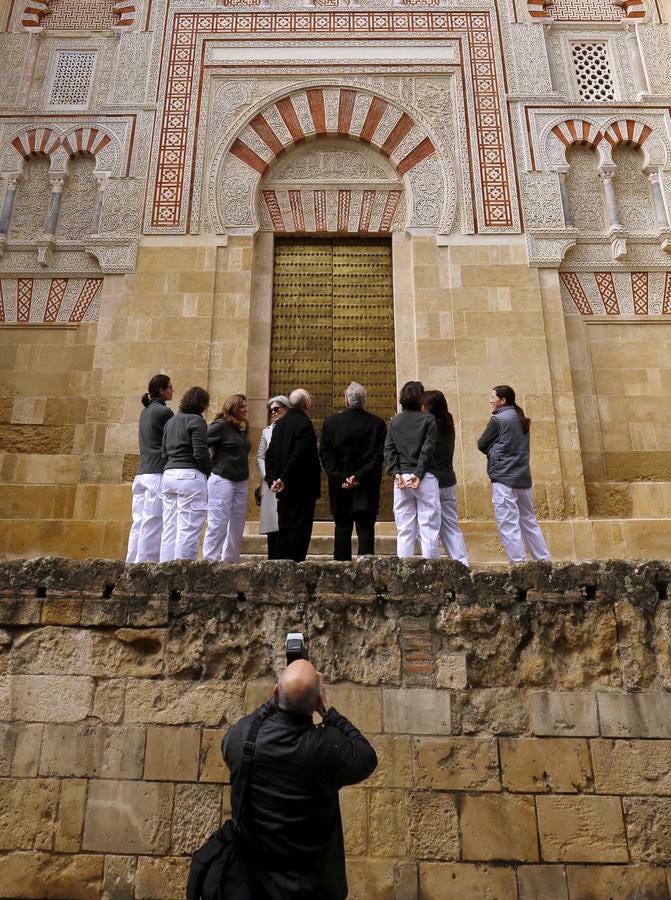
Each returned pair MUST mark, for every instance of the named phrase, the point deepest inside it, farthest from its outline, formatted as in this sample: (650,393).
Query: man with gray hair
(290,827)
(294,476)
(351,452)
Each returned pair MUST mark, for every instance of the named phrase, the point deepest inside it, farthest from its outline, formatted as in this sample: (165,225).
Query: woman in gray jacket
(505,440)
(187,465)
(408,453)
(144,540)
(228,438)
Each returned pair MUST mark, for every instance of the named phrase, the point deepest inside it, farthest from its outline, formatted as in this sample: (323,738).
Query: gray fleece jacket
(185,443)
(507,448)
(150,436)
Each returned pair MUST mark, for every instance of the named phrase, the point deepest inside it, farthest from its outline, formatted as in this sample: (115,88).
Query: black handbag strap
(248,749)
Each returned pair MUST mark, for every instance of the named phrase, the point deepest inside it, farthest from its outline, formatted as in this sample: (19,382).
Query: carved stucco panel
(655,43)
(13,51)
(541,200)
(361,106)
(132,68)
(122,208)
(531,68)
(236,195)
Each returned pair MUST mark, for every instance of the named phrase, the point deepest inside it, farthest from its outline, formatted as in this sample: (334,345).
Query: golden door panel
(333,323)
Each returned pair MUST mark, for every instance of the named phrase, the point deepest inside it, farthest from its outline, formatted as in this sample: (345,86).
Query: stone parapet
(521,720)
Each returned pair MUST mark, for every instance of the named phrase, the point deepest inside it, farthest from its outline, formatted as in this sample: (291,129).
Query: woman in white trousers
(228,439)
(144,540)
(268,524)
(505,440)
(442,467)
(187,465)
(408,451)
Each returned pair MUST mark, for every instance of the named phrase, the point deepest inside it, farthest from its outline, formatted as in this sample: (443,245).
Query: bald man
(290,826)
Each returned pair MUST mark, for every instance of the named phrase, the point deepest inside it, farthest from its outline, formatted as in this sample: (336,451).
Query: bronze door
(333,323)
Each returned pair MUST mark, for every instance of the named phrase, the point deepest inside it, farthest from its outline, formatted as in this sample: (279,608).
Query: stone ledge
(370,579)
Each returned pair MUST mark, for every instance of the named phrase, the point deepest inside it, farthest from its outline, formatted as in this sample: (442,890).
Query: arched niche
(277,126)
(585,195)
(331,185)
(632,189)
(29,213)
(77,211)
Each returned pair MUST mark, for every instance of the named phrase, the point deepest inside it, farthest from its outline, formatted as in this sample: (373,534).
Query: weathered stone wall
(522,721)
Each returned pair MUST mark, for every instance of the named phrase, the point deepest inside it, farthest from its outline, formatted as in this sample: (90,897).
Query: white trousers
(417,510)
(144,540)
(184,508)
(450,534)
(226,512)
(517,523)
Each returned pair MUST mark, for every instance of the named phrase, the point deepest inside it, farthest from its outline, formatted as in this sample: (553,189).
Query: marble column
(57,185)
(640,81)
(611,202)
(661,216)
(563,192)
(101,180)
(8,204)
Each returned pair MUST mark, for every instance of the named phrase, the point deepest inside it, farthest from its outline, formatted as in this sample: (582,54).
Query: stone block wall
(522,721)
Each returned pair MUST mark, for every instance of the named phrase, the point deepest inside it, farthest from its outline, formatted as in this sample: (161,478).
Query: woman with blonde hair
(228,438)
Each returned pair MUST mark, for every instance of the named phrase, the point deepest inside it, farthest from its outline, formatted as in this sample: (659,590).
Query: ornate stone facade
(517,156)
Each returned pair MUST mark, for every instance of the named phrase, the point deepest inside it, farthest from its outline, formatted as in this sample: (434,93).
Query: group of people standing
(189,473)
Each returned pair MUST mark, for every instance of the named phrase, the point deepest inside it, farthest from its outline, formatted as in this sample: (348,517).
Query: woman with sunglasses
(268,517)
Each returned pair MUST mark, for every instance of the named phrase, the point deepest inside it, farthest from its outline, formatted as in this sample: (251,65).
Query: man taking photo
(289,827)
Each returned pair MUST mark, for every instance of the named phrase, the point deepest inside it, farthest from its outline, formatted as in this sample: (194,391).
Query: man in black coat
(351,452)
(290,825)
(293,474)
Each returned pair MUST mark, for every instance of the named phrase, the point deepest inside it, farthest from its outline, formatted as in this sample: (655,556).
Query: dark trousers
(272,544)
(365,532)
(295,518)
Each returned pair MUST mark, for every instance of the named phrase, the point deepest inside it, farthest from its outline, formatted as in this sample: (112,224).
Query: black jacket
(292,456)
(153,419)
(507,447)
(352,443)
(290,826)
(230,448)
(442,463)
(185,443)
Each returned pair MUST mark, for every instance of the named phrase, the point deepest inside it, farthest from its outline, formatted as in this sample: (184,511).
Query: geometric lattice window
(73,73)
(592,70)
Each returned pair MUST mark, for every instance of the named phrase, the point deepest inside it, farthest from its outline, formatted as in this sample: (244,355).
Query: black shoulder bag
(218,869)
